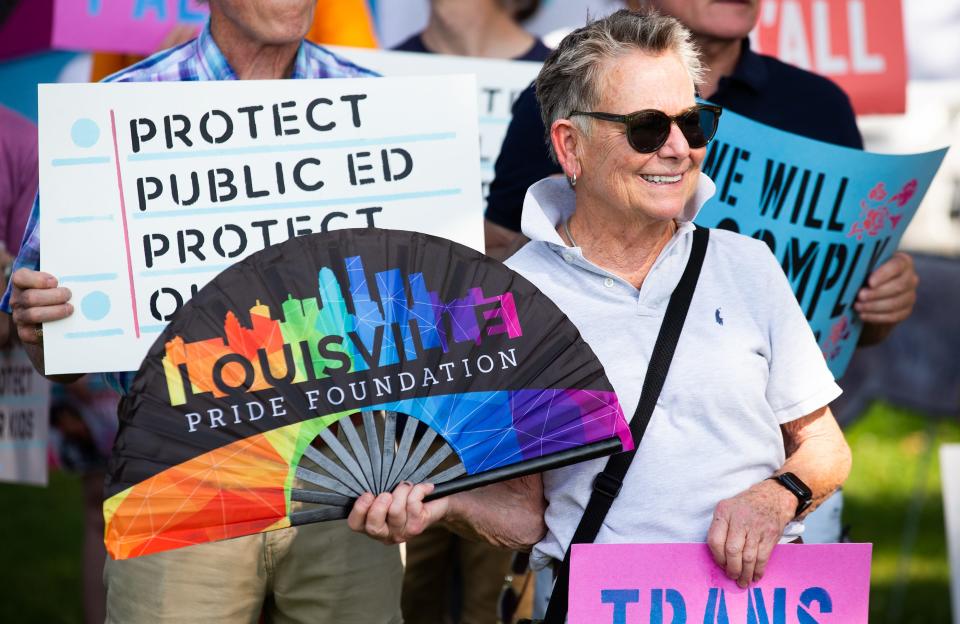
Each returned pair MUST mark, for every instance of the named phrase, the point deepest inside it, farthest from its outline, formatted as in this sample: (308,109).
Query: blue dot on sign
(85,132)
(95,305)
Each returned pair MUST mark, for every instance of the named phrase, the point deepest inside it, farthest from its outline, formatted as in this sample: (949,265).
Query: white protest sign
(151,189)
(24,420)
(499,82)
(950,473)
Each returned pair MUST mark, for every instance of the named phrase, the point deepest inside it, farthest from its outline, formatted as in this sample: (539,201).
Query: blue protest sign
(830,214)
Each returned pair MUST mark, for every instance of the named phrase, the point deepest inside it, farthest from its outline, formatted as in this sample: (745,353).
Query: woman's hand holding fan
(395,517)
(508,514)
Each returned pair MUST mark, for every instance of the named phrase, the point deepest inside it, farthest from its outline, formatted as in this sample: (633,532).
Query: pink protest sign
(125,26)
(680,584)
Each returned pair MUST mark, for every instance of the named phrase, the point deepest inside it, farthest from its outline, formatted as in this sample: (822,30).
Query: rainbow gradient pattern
(355,333)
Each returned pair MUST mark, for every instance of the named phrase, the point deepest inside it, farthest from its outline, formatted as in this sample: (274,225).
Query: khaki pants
(314,573)
(431,558)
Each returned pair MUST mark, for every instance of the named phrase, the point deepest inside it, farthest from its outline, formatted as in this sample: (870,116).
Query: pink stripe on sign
(126,233)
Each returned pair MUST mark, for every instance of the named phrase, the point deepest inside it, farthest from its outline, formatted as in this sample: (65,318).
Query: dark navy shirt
(761,88)
(537,52)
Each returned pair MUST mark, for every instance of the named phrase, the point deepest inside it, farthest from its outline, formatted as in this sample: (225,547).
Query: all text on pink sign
(680,584)
(126,26)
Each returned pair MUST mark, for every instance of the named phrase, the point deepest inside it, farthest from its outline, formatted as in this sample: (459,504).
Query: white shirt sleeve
(800,381)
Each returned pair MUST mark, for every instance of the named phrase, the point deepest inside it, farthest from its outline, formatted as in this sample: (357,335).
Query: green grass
(895,471)
(41,528)
(41,536)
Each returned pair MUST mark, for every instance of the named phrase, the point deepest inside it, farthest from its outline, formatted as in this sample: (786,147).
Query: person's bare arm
(507,515)
(37,299)
(745,528)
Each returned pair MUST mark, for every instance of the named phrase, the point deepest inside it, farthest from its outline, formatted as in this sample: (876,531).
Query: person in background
(481,28)
(19,177)
(83,420)
(317,573)
(83,426)
(344,22)
(488,29)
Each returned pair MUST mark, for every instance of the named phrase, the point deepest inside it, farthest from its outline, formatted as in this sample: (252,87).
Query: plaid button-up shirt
(199,59)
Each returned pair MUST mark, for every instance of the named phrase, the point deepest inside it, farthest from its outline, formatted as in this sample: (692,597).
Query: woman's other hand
(745,529)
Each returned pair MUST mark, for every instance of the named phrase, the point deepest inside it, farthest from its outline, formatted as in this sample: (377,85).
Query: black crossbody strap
(606,485)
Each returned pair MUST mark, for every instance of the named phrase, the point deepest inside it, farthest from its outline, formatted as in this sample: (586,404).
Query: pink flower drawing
(875,210)
(905,194)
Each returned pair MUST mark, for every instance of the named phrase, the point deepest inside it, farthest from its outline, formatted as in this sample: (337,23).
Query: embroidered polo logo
(718,317)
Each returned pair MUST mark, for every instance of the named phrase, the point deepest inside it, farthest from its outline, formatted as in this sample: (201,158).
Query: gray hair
(570,77)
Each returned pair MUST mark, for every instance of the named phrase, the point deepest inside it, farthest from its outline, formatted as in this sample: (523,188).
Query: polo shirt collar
(551,201)
(750,69)
(215,64)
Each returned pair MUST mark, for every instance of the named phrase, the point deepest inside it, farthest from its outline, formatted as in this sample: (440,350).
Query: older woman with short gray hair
(741,444)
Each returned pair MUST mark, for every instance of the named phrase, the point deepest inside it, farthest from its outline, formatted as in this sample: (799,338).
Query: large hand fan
(345,362)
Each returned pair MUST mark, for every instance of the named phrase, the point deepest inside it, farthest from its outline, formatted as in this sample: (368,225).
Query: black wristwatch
(798,488)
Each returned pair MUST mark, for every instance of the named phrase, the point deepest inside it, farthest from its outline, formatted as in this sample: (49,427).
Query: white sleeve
(800,381)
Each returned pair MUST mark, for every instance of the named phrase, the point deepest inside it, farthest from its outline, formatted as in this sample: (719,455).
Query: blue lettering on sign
(186,14)
(94,6)
(757,610)
(676,601)
(716,613)
(157,6)
(809,596)
(619,598)
(716,608)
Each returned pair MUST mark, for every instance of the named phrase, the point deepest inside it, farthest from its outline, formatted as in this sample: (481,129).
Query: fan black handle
(342,505)
(533,466)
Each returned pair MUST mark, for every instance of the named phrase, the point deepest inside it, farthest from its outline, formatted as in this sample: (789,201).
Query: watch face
(796,486)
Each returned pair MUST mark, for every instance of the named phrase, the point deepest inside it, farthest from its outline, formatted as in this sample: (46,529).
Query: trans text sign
(681,584)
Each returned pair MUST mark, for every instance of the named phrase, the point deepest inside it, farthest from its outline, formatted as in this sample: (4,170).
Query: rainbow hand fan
(345,362)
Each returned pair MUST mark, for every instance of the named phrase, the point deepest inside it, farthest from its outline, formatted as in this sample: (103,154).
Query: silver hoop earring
(572,180)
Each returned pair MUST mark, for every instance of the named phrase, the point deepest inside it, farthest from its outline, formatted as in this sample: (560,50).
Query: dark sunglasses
(647,130)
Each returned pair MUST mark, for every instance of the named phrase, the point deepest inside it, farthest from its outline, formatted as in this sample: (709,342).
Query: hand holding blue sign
(887,298)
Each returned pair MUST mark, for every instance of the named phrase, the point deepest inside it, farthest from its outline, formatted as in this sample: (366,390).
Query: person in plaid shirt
(317,573)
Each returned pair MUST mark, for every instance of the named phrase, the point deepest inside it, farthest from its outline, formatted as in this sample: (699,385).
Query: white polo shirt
(746,363)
